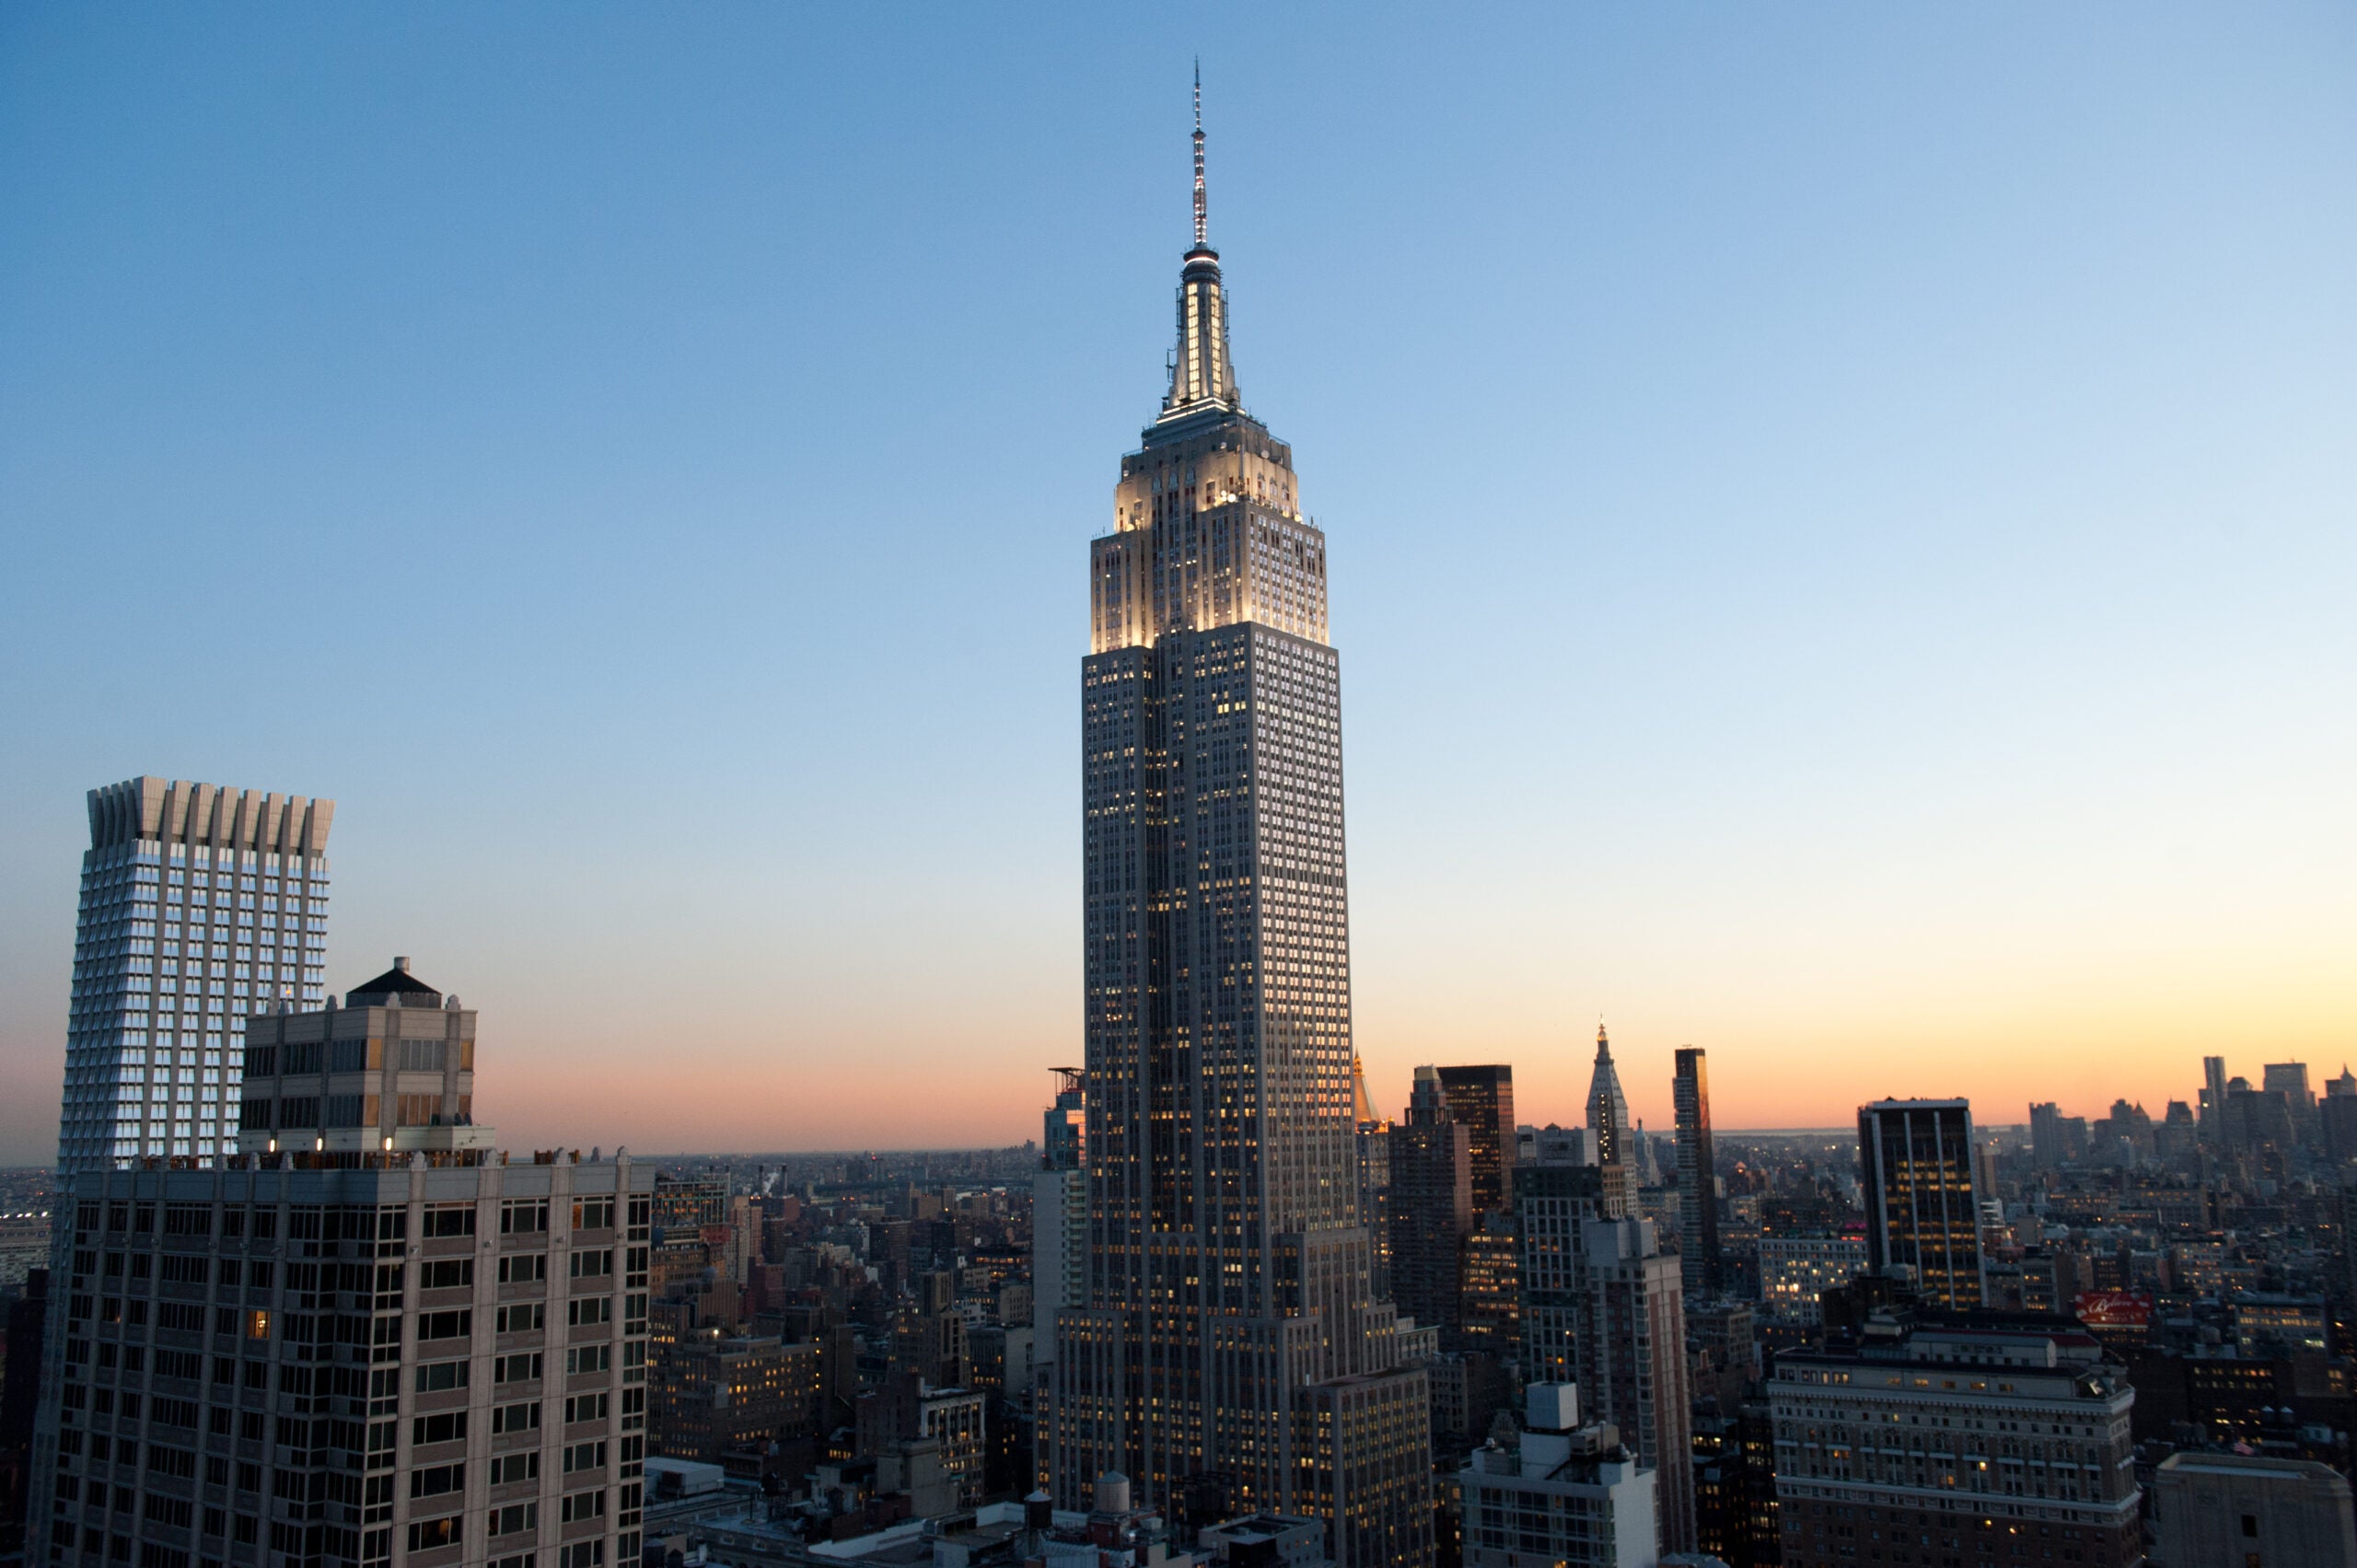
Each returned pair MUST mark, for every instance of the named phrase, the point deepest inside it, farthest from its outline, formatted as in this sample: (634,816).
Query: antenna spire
(1199,225)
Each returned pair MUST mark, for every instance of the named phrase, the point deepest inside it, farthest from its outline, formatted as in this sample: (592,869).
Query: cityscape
(1233,1291)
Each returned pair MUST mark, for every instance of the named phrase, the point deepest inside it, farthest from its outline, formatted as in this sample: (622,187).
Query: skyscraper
(1603,1307)
(1230,1338)
(200,906)
(1481,1101)
(1432,1210)
(1915,1161)
(1060,1209)
(1609,1128)
(1698,1182)
(1608,1108)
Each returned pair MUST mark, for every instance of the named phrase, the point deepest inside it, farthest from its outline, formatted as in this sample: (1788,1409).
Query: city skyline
(1890,734)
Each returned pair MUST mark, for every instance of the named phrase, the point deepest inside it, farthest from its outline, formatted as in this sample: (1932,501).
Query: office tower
(1060,1209)
(2238,1508)
(1230,1330)
(1374,1180)
(1608,1108)
(2213,1101)
(1432,1210)
(1603,1307)
(2046,1134)
(1480,1101)
(1490,1298)
(1561,1493)
(389,1073)
(1975,1445)
(199,906)
(349,1357)
(1698,1179)
(1915,1162)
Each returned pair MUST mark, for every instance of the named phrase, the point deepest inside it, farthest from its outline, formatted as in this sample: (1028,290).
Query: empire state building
(1229,1354)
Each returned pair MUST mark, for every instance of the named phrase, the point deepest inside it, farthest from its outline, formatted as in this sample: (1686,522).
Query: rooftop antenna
(1200,242)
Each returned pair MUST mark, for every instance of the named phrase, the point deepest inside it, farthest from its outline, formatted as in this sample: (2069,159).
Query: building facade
(1481,1101)
(2250,1509)
(1603,1307)
(1562,1495)
(1230,1328)
(199,906)
(1959,1442)
(402,1365)
(1698,1179)
(1432,1210)
(1797,1270)
(1915,1161)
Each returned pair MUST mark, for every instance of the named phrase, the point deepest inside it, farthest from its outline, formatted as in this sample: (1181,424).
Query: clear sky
(1843,524)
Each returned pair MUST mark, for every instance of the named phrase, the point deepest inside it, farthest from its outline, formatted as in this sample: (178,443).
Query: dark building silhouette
(1480,1101)
(1698,1192)
(1915,1163)
(1432,1210)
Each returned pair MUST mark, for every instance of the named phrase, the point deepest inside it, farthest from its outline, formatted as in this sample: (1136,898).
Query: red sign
(716,1235)
(2113,1309)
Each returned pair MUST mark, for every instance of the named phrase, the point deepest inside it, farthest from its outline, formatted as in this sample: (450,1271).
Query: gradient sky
(1843,525)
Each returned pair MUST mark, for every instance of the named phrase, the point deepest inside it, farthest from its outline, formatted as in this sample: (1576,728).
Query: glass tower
(200,906)
(1230,1354)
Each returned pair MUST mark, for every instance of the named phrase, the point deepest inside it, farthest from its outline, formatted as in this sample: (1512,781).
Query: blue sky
(1840,521)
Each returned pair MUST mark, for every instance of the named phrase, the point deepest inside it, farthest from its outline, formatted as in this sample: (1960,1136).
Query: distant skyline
(1843,524)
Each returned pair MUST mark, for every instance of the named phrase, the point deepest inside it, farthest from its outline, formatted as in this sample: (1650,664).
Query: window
(516,1418)
(581,1311)
(585,1456)
(523,1216)
(517,1518)
(523,1268)
(425,1535)
(447,1273)
(443,1426)
(593,1214)
(442,1376)
(585,1407)
(433,1481)
(588,1358)
(522,1367)
(507,1469)
(445,1325)
(448,1219)
(525,1318)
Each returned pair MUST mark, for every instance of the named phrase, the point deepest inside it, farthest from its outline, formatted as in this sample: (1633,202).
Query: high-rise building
(1698,1178)
(1432,1210)
(1230,1330)
(2213,1101)
(1603,1306)
(348,1355)
(1060,1209)
(1375,1179)
(1986,1444)
(1480,1101)
(199,906)
(1608,1109)
(1915,1162)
